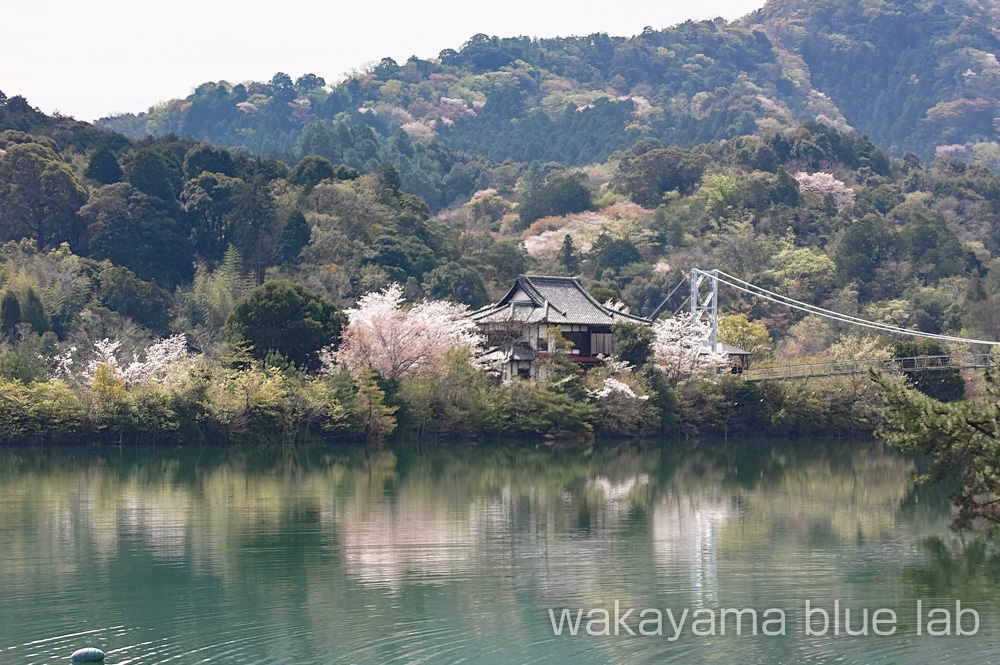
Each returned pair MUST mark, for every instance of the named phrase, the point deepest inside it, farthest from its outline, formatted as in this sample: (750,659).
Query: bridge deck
(863,366)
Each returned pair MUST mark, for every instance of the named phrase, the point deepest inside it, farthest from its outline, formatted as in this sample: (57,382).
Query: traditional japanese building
(519,328)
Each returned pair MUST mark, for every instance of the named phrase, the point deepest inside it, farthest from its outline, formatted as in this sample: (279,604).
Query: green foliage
(648,176)
(377,420)
(634,342)
(144,302)
(568,256)
(944,385)
(313,169)
(33,311)
(38,410)
(287,318)
(612,252)
(205,157)
(265,404)
(26,361)
(39,196)
(561,196)
(103,167)
(294,235)
(10,314)
(451,403)
(521,408)
(748,335)
(962,437)
(459,282)
(148,172)
(138,232)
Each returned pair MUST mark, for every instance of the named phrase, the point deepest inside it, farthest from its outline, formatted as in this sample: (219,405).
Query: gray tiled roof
(553,300)
(728,349)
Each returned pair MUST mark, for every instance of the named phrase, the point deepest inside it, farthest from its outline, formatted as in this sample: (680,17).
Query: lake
(313,556)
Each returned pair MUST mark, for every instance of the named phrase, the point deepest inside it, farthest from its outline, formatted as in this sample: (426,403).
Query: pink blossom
(395,342)
(401,115)
(417,129)
(583,227)
(954,150)
(626,210)
(768,104)
(823,183)
(247,108)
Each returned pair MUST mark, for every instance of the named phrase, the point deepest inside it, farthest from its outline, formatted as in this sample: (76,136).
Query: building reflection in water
(685,531)
(569,524)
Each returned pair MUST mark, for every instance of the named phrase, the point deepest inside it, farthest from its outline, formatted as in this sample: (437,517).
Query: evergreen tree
(33,311)
(568,256)
(962,437)
(287,318)
(10,314)
(103,167)
(294,236)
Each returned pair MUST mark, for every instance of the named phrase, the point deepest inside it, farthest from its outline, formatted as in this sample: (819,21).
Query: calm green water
(304,558)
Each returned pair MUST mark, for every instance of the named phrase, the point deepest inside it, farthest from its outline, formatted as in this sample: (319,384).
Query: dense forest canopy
(913,76)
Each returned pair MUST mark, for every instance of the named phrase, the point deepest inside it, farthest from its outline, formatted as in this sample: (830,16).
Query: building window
(602,344)
(501,337)
(580,341)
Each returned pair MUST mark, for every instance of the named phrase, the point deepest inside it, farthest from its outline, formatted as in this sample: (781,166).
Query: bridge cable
(777,298)
(669,296)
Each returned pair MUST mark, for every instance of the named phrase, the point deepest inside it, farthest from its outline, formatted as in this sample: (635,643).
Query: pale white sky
(90,58)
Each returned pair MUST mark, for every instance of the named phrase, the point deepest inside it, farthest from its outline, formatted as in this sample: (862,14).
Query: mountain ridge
(913,76)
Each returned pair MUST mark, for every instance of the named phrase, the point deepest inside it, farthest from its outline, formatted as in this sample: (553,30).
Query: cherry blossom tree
(166,360)
(397,342)
(823,183)
(681,351)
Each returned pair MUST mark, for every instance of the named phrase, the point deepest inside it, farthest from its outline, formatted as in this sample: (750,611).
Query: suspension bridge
(703,303)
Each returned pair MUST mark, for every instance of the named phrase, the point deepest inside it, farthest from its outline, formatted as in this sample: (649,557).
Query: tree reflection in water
(313,553)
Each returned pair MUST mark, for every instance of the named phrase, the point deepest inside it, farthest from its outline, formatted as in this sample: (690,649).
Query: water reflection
(314,557)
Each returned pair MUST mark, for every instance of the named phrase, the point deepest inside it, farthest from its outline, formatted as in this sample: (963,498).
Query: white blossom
(823,183)
(681,351)
(417,129)
(63,364)
(164,360)
(612,385)
(617,306)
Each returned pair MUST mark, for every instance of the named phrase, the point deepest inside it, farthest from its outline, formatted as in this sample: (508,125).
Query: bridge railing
(863,366)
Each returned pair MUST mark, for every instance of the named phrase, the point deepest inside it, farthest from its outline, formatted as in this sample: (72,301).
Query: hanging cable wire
(663,304)
(760,292)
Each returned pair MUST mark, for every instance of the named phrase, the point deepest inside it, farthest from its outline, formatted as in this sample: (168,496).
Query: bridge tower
(705,301)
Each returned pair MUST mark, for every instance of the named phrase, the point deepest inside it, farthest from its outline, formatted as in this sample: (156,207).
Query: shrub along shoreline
(262,404)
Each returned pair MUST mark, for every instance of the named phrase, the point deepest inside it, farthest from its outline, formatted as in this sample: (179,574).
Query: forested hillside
(917,76)
(137,274)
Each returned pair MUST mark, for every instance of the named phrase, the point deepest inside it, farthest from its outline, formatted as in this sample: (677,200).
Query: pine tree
(33,311)
(10,314)
(103,167)
(294,236)
(675,233)
(568,256)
